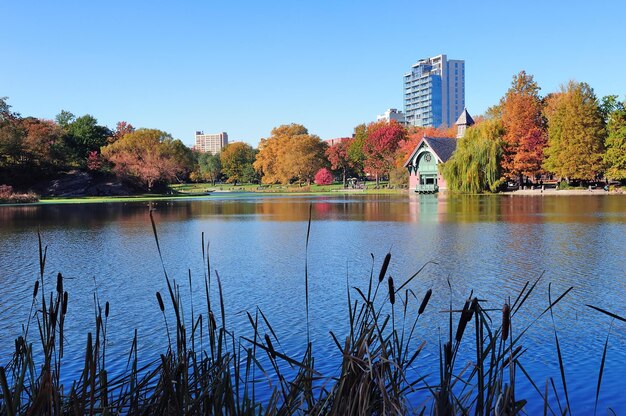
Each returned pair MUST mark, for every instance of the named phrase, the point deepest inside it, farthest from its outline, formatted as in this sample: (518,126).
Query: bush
(7,196)
(323,177)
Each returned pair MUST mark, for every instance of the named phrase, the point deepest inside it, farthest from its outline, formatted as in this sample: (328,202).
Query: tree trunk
(344,178)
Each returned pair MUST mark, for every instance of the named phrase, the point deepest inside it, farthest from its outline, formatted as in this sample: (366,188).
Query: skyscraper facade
(434,92)
(212,143)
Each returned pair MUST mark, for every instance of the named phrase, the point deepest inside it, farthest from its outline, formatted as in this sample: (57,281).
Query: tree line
(569,134)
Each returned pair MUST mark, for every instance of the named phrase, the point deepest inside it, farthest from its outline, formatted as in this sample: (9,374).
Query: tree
(615,156)
(575,133)
(147,156)
(475,164)
(237,159)
(84,135)
(339,158)
(121,129)
(64,119)
(42,143)
(209,167)
(290,154)
(355,151)
(525,129)
(380,147)
(323,177)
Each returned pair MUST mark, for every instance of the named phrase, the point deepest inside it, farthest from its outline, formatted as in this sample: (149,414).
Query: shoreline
(236,193)
(562,192)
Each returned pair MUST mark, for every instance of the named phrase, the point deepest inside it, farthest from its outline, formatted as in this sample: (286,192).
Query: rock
(79,183)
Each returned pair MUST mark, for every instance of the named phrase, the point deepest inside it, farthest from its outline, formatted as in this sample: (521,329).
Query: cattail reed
(392,291)
(383,269)
(466,315)
(59,283)
(268,341)
(506,321)
(36,289)
(447,354)
(160,299)
(64,308)
(427,296)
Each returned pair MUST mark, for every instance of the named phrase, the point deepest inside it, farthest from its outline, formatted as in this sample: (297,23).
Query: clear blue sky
(245,67)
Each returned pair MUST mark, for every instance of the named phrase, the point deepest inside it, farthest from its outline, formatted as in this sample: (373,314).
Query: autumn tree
(615,156)
(575,133)
(42,143)
(236,160)
(147,156)
(475,164)
(525,129)
(121,129)
(380,147)
(290,154)
(339,158)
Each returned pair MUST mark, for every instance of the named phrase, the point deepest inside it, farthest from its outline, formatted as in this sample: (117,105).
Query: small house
(423,163)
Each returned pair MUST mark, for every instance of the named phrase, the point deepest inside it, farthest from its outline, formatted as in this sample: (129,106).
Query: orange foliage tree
(525,129)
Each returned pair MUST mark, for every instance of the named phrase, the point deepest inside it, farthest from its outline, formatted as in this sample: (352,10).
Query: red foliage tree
(380,146)
(338,157)
(122,128)
(323,177)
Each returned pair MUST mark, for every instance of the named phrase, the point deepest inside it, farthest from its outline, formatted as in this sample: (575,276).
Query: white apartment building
(211,143)
(434,92)
(392,114)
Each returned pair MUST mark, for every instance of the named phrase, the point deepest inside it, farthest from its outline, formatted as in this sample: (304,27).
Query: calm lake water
(490,244)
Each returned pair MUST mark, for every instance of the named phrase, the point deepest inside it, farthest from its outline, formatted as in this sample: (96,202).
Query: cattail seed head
(64,308)
(160,299)
(60,283)
(36,290)
(106,310)
(392,291)
(447,353)
(506,321)
(383,269)
(427,296)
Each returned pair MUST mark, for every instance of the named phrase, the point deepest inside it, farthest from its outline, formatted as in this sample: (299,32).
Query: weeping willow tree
(475,164)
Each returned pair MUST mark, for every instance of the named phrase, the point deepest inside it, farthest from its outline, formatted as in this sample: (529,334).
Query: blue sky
(245,67)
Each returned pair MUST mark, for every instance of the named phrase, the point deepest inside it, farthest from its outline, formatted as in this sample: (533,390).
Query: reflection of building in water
(423,164)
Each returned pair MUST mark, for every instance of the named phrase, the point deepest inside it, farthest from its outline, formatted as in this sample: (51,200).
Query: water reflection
(401,208)
(490,244)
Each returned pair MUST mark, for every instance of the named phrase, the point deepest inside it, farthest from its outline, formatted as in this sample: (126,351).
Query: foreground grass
(208,369)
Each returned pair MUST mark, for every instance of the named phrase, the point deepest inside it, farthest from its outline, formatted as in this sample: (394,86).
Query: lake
(490,244)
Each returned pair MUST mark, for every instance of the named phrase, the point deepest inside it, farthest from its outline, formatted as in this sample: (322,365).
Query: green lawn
(279,189)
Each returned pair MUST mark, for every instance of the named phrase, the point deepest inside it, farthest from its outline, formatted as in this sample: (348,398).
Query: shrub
(323,177)
(7,196)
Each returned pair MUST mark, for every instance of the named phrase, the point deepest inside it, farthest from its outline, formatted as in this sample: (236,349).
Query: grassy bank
(209,369)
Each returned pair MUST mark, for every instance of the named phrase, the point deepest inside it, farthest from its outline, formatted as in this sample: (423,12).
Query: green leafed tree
(575,133)
(475,164)
(355,151)
(209,167)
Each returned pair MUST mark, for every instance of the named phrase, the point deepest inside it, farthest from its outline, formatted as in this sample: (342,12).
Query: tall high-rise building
(212,143)
(434,92)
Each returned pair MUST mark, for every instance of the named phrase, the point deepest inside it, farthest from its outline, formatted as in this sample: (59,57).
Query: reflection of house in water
(423,164)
